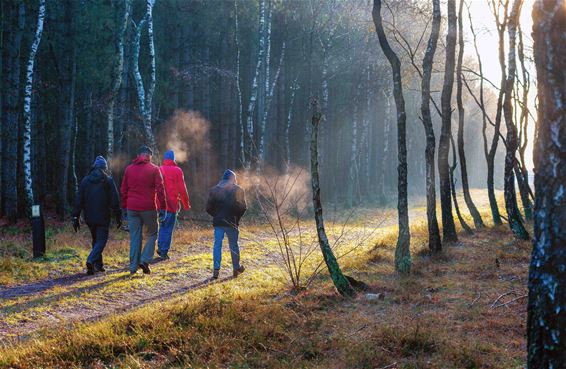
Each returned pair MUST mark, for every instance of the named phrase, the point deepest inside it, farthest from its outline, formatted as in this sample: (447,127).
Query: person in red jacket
(176,195)
(143,195)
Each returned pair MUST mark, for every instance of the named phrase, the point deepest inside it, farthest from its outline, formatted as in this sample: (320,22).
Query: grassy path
(71,296)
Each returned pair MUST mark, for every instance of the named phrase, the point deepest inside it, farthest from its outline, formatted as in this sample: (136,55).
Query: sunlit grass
(438,317)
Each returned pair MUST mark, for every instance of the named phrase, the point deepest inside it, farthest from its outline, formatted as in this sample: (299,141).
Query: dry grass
(441,316)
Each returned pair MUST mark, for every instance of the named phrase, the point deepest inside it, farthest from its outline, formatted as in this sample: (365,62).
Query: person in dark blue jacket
(227,204)
(98,200)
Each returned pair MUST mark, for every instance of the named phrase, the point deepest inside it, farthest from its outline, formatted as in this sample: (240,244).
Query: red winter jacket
(142,186)
(175,187)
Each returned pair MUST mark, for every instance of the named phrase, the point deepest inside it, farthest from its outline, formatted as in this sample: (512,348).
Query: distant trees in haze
(109,76)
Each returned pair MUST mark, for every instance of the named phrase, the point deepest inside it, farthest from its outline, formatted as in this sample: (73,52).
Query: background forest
(225,83)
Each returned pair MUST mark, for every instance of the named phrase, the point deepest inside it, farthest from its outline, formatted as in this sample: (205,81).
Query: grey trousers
(136,220)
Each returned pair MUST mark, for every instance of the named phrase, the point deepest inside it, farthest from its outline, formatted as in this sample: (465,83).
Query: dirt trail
(27,309)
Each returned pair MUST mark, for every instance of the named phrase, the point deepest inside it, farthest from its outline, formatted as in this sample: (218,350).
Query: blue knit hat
(228,174)
(100,163)
(169,155)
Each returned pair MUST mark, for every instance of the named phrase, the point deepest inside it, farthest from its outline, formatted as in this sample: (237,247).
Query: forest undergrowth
(464,308)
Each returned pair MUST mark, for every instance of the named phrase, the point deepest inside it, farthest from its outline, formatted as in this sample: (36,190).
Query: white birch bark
(254,90)
(136,68)
(145,99)
(27,103)
(238,86)
(269,98)
(117,76)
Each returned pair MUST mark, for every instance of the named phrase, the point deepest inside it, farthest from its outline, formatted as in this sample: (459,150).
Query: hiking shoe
(99,269)
(89,269)
(215,274)
(163,256)
(239,271)
(145,268)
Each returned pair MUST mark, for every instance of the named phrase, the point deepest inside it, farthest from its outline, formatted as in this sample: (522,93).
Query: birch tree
(294,88)
(513,214)
(448,226)
(434,242)
(500,13)
(250,140)
(340,281)
(488,153)
(402,251)
(268,99)
(145,98)
(117,74)
(239,86)
(28,95)
(547,295)
(478,222)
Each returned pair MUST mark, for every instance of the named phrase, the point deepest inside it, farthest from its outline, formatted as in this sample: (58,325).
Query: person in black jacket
(98,200)
(227,204)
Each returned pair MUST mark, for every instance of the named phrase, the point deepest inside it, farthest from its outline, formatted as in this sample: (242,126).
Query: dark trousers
(99,235)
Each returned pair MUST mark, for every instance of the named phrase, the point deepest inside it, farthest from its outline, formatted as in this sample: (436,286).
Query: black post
(38,231)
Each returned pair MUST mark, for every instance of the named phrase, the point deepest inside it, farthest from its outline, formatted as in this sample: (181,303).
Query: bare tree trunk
(74,156)
(434,242)
(402,251)
(523,175)
(28,94)
(269,97)
(67,79)
(339,280)
(117,74)
(478,222)
(513,214)
(294,89)
(448,226)
(353,163)
(239,87)
(489,159)
(15,11)
(547,296)
(385,153)
(148,116)
(250,141)
(501,22)
(463,223)
(145,98)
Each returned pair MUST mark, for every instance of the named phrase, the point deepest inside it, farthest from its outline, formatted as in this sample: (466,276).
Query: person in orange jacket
(176,195)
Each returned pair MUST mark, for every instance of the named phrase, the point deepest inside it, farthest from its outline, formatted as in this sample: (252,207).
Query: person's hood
(96,175)
(226,183)
(168,162)
(141,159)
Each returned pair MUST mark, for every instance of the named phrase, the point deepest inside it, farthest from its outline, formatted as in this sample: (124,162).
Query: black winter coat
(227,204)
(97,198)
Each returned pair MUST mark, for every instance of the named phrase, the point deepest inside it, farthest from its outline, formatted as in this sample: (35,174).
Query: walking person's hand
(76,224)
(119,221)
(162,214)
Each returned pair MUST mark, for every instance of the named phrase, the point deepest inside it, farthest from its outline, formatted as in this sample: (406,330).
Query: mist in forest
(187,134)
(238,94)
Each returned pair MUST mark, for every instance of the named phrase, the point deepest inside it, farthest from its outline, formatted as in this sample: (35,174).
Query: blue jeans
(99,238)
(136,220)
(232,234)
(166,233)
